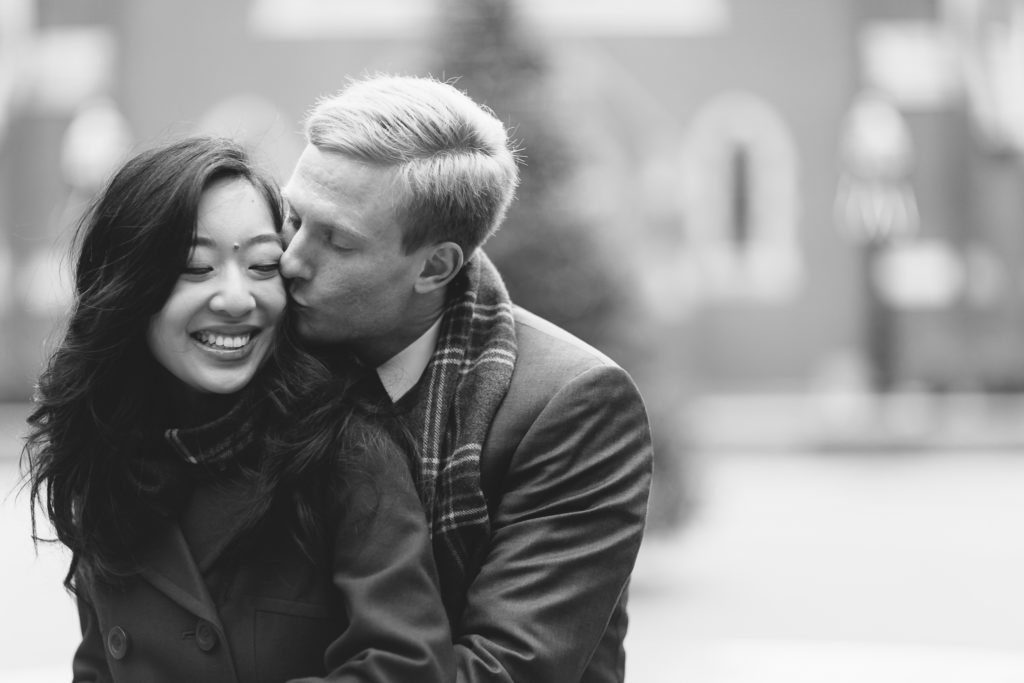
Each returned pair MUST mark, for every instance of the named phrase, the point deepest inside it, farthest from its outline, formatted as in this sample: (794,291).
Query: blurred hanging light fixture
(875,200)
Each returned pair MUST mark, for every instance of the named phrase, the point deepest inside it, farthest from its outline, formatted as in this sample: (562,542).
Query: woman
(231,515)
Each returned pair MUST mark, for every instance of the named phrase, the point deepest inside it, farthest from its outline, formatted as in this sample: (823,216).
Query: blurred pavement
(857,421)
(885,566)
(884,563)
(40,628)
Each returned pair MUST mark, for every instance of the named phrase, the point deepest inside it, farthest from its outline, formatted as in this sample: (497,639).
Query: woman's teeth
(223,341)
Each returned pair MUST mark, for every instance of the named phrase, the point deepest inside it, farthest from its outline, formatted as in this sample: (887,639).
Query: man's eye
(289,229)
(337,241)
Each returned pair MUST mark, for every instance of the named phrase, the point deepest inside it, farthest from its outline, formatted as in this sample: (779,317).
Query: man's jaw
(294,300)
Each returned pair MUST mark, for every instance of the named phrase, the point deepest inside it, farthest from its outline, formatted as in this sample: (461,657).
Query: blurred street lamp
(875,201)
(875,206)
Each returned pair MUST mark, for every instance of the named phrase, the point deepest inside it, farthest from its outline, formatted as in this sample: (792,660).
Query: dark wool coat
(365,609)
(566,471)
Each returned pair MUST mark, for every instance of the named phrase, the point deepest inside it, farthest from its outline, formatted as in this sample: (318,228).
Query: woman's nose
(234,296)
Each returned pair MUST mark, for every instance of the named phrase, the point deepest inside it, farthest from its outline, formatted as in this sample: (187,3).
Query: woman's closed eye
(197,270)
(268,268)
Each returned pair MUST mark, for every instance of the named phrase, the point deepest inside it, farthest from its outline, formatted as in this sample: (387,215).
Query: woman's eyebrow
(271,237)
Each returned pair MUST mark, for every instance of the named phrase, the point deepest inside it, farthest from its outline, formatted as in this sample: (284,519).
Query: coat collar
(171,569)
(217,442)
(169,565)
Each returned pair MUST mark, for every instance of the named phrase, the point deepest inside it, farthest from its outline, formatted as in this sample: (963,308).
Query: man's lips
(296,301)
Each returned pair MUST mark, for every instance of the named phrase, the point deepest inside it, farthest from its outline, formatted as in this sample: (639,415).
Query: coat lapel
(171,569)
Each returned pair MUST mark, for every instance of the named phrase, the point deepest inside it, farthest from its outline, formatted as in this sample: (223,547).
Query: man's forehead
(332,216)
(293,190)
(310,175)
(329,189)
(300,196)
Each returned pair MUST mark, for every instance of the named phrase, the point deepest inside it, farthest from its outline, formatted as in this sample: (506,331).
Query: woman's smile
(227,345)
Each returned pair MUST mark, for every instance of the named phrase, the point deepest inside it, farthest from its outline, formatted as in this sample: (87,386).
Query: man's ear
(444,261)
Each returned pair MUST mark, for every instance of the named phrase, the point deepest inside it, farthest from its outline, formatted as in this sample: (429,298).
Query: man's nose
(234,296)
(293,264)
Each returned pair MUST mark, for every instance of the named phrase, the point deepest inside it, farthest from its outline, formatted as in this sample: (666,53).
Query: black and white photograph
(512,341)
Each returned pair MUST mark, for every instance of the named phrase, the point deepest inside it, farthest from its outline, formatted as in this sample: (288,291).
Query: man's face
(351,281)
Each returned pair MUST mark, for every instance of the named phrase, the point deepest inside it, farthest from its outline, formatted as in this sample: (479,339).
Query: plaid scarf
(214,445)
(463,385)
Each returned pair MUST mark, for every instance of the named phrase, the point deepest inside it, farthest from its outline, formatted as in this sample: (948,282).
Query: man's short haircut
(452,156)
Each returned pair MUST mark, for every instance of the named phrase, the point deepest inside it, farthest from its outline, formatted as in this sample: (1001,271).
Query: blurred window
(740,181)
(314,19)
(258,123)
(17,20)
(989,38)
(742,200)
(70,65)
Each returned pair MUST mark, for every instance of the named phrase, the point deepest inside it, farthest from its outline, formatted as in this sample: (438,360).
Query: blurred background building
(815,202)
(795,222)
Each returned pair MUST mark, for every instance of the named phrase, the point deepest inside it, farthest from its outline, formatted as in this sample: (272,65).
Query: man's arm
(564,536)
(385,577)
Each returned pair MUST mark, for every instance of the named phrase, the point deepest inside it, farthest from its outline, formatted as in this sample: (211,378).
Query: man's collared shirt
(401,372)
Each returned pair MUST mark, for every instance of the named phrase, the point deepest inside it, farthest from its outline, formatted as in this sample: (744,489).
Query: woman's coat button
(118,642)
(206,636)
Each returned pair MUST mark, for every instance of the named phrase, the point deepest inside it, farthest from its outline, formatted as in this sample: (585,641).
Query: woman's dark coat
(366,609)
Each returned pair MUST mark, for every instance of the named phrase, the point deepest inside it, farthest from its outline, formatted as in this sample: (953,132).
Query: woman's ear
(443,262)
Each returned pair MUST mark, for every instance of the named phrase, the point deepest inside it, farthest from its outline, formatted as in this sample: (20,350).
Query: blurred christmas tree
(553,262)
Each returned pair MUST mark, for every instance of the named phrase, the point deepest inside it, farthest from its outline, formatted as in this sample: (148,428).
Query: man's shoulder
(553,368)
(549,359)
(547,348)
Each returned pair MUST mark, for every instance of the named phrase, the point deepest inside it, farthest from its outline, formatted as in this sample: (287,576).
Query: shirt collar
(401,372)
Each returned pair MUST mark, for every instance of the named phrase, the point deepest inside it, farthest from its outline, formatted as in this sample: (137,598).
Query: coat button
(118,642)
(206,636)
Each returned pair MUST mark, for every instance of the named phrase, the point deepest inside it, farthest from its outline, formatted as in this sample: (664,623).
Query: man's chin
(314,336)
(303,328)
(310,330)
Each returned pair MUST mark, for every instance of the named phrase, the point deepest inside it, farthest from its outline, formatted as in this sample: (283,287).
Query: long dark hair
(93,464)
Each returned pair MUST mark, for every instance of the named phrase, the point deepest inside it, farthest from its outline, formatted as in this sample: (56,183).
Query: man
(534,450)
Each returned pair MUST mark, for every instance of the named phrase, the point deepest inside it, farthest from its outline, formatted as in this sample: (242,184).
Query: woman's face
(216,327)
